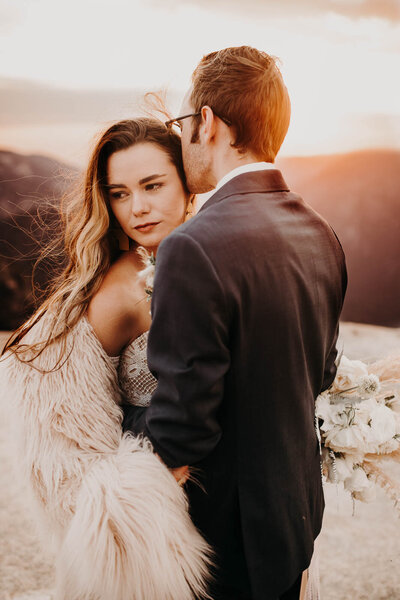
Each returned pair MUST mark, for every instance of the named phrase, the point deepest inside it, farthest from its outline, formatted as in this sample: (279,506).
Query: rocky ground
(359,554)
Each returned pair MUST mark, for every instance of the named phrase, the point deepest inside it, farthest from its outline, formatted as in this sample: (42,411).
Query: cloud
(24,102)
(384,9)
(10,16)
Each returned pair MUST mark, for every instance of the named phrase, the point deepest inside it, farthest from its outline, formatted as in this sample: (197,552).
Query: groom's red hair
(245,86)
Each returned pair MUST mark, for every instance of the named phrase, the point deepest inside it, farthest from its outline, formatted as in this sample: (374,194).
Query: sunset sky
(340,60)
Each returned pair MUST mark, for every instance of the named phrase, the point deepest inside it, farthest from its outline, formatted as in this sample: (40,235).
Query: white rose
(338,414)
(348,374)
(150,281)
(344,415)
(365,408)
(147,274)
(382,424)
(346,439)
(358,482)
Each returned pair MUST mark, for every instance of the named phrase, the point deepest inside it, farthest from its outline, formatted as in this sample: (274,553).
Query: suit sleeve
(187,353)
(330,364)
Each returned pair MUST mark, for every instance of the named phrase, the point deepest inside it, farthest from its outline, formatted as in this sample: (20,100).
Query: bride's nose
(139,204)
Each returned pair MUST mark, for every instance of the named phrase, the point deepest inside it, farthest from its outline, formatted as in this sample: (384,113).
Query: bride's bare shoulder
(118,311)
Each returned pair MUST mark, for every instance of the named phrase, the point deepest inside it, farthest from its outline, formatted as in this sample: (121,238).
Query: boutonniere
(147,274)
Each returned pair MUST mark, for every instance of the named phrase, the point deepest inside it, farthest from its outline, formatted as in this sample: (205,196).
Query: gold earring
(190,206)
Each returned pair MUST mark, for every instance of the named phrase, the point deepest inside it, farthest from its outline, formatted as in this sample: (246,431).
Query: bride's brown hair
(89,242)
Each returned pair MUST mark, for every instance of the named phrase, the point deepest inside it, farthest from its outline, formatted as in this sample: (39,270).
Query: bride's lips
(146,227)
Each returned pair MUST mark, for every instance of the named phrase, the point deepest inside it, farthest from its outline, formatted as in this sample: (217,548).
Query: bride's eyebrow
(110,186)
(150,177)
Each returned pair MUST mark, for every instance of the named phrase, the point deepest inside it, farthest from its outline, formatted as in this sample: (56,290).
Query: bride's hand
(181,474)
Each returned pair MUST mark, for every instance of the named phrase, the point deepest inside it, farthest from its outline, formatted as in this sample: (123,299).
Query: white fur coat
(116,518)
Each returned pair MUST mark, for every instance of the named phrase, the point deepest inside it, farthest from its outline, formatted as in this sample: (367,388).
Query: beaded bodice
(135,379)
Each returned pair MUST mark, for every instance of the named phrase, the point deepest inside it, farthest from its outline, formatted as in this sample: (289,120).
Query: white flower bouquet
(147,274)
(358,424)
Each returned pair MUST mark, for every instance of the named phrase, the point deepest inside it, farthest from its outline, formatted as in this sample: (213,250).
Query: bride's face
(146,193)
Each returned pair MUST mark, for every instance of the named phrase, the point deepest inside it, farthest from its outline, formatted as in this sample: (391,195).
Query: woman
(117,519)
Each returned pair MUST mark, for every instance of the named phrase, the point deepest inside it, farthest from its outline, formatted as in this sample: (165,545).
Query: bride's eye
(152,187)
(119,195)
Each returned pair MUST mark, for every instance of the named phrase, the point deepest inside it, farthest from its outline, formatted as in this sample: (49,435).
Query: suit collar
(267,181)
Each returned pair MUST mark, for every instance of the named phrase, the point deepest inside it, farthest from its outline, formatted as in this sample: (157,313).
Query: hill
(30,191)
(357,193)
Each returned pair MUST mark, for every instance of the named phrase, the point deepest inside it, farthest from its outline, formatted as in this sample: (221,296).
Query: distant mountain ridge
(30,192)
(357,193)
(25,177)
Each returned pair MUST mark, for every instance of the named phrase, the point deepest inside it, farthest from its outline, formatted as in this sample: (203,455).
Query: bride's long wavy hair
(89,235)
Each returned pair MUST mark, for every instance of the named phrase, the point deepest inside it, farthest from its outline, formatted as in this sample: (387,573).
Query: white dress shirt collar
(249,168)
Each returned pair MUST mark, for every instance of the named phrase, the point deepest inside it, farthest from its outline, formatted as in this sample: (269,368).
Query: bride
(114,514)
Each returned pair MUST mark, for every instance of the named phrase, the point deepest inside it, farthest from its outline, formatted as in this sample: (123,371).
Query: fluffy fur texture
(387,369)
(115,517)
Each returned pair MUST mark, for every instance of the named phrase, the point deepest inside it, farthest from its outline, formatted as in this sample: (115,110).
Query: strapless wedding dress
(135,379)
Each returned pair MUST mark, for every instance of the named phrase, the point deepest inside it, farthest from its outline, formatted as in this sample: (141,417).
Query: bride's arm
(111,320)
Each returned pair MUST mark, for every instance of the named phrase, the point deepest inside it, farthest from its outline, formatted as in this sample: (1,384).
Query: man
(246,303)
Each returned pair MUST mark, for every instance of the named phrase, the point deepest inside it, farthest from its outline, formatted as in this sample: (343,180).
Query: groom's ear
(208,124)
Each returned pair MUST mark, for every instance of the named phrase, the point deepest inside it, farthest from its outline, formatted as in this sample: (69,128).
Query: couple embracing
(245,307)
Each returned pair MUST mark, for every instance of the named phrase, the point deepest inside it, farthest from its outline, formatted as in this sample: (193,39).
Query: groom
(246,303)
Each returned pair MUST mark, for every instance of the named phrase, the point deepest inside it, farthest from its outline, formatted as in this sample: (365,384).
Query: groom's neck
(226,162)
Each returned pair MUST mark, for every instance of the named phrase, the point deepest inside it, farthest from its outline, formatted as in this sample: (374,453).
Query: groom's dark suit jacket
(246,303)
